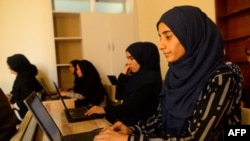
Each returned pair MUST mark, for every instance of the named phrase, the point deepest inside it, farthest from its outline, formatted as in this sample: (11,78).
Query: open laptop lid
(112,79)
(45,87)
(61,98)
(42,117)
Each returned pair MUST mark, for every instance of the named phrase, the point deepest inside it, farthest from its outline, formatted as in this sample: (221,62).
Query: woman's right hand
(121,128)
(126,70)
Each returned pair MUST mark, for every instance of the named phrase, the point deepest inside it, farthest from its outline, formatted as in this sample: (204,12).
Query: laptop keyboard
(86,136)
(79,111)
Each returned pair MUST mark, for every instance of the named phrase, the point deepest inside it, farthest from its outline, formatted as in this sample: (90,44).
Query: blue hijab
(186,78)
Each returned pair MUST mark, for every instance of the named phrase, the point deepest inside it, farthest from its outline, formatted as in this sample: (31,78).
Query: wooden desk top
(55,108)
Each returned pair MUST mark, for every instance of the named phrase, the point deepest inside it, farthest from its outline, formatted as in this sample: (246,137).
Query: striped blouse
(217,106)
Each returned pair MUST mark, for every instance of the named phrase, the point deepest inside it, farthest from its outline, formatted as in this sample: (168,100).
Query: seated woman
(138,86)
(201,94)
(24,84)
(90,90)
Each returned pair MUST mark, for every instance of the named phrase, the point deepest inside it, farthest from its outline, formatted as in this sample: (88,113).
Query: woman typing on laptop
(90,90)
(138,86)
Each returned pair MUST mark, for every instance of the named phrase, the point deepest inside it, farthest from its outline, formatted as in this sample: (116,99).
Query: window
(100,6)
(71,5)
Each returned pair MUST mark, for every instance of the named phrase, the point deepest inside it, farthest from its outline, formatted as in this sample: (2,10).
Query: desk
(55,108)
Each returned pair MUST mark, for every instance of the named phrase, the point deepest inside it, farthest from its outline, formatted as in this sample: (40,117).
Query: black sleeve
(22,88)
(141,98)
(120,86)
(93,91)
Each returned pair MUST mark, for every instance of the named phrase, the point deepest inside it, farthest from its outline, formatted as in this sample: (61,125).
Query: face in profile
(133,65)
(78,71)
(12,71)
(71,68)
(169,44)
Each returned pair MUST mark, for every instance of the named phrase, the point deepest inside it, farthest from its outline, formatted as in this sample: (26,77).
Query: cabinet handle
(109,47)
(113,47)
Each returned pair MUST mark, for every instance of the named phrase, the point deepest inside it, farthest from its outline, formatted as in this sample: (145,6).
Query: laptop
(51,95)
(48,125)
(76,114)
(112,79)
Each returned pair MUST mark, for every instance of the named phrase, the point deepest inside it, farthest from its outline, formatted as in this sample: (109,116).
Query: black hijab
(20,64)
(88,69)
(74,63)
(91,85)
(187,77)
(147,55)
(77,85)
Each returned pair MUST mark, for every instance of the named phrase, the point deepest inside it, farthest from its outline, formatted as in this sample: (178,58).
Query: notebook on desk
(48,125)
(76,114)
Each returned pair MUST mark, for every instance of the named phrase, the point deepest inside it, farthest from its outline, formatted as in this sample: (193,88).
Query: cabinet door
(122,34)
(95,41)
(105,38)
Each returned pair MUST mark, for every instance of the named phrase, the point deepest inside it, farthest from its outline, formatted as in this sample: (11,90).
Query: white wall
(26,27)
(149,12)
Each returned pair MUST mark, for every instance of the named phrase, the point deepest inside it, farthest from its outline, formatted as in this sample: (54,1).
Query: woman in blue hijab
(138,86)
(201,93)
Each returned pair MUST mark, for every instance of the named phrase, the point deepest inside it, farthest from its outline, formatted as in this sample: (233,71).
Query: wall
(26,27)
(149,12)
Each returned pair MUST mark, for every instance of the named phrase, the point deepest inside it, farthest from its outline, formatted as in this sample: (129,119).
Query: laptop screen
(43,118)
(112,79)
(61,98)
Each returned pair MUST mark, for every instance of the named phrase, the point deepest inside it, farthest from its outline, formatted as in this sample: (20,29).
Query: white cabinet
(68,44)
(105,38)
